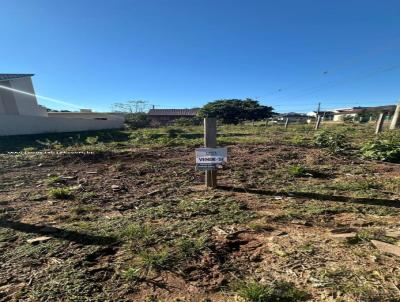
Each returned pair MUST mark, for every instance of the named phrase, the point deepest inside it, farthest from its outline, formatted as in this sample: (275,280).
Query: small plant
(51,180)
(260,227)
(278,291)
(132,274)
(299,171)
(139,233)
(92,140)
(151,298)
(302,171)
(29,149)
(385,150)
(155,259)
(83,209)
(119,167)
(52,145)
(334,142)
(174,132)
(308,248)
(367,235)
(60,193)
(190,247)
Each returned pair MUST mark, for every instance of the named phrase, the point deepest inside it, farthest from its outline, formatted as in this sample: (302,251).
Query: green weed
(60,193)
(278,291)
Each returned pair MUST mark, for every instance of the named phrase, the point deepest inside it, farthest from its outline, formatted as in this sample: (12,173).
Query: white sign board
(210,158)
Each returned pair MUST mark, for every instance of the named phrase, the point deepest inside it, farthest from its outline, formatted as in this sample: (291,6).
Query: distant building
(167,116)
(21,114)
(292,116)
(326,115)
(362,114)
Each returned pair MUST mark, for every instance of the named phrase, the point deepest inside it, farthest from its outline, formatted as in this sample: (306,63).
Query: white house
(362,113)
(20,112)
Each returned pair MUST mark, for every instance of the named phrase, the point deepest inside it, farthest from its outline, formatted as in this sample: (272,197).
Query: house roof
(173,112)
(11,76)
(388,108)
(293,114)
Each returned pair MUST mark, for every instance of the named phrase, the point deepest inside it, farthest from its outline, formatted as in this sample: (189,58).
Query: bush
(189,121)
(132,274)
(277,291)
(61,193)
(137,120)
(385,150)
(235,111)
(334,142)
(174,132)
(92,140)
(299,171)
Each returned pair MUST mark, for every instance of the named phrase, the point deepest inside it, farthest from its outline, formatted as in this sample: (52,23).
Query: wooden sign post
(210,141)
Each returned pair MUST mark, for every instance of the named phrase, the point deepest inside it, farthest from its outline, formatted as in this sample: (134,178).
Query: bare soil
(263,223)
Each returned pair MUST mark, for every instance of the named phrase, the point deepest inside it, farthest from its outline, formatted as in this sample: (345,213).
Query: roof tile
(173,112)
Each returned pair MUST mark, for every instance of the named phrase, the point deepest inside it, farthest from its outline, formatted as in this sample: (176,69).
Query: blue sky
(184,53)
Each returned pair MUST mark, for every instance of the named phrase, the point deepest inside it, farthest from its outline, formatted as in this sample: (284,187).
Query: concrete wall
(27,104)
(340,117)
(7,100)
(14,103)
(18,125)
(88,115)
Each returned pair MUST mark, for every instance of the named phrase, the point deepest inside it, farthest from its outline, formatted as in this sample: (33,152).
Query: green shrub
(385,150)
(29,149)
(299,171)
(61,193)
(92,140)
(155,259)
(137,120)
(189,121)
(334,142)
(302,171)
(132,274)
(278,291)
(174,132)
(139,233)
(190,247)
(51,180)
(371,234)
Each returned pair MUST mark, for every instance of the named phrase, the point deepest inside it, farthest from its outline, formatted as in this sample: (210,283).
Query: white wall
(89,115)
(18,125)
(2,109)
(340,117)
(27,105)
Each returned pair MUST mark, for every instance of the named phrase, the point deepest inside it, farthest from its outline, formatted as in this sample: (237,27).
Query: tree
(234,111)
(137,120)
(130,106)
(134,113)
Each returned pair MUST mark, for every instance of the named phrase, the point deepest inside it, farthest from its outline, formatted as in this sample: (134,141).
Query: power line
(339,66)
(337,83)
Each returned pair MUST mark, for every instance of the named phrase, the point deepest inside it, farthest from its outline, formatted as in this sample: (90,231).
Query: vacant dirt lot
(138,225)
